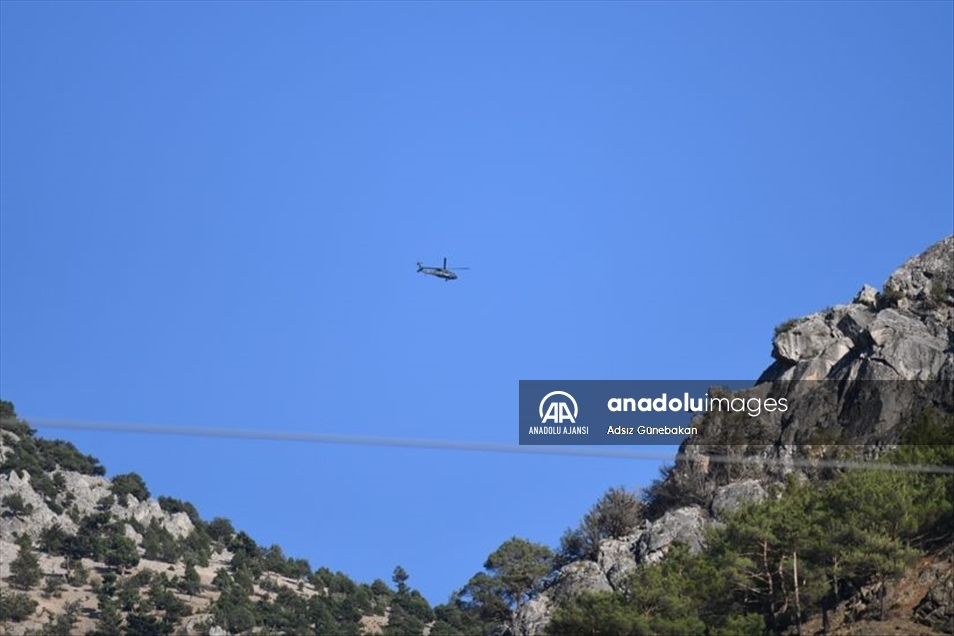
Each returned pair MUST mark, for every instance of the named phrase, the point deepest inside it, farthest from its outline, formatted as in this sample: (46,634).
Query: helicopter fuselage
(440,273)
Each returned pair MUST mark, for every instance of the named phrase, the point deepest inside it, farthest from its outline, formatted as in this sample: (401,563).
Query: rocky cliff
(855,376)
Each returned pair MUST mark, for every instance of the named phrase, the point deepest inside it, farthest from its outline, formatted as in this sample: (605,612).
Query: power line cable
(462,445)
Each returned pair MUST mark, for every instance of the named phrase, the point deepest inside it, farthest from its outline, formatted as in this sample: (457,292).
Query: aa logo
(558,412)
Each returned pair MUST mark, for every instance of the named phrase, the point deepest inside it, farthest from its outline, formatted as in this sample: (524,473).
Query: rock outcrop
(855,376)
(84,494)
(571,580)
(908,328)
(936,608)
(733,496)
(683,525)
(85,491)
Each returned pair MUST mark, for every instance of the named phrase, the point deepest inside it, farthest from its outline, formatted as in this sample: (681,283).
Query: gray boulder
(569,582)
(868,296)
(617,560)
(683,525)
(736,495)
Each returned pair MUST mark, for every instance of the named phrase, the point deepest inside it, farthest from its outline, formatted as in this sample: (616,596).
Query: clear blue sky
(210,215)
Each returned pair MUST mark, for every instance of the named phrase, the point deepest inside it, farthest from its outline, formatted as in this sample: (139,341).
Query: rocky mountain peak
(856,376)
(906,331)
(924,285)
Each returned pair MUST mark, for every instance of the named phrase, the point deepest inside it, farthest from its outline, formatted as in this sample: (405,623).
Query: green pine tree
(25,571)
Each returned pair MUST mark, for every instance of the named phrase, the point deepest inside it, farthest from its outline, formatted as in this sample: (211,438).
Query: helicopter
(440,272)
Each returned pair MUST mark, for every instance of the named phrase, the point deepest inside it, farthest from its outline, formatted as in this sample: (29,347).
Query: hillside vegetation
(773,567)
(126,563)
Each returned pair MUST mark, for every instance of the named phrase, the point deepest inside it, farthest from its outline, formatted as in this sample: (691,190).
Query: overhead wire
(473,446)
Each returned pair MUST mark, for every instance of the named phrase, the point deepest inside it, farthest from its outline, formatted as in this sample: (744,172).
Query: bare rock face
(178,524)
(145,512)
(936,609)
(85,492)
(570,581)
(8,553)
(932,583)
(924,285)
(7,442)
(32,523)
(825,343)
(683,525)
(812,338)
(617,559)
(533,617)
(735,495)
(582,576)
(909,327)
(868,296)
(855,374)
